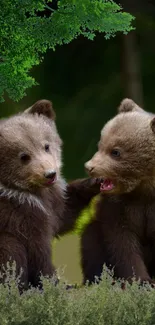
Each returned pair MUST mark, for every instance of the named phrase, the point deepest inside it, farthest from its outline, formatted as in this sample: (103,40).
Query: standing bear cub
(122,236)
(35,202)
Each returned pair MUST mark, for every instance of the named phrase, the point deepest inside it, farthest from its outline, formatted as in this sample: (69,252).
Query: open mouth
(51,180)
(107,185)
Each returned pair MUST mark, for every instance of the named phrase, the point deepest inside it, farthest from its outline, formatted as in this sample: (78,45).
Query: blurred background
(86,80)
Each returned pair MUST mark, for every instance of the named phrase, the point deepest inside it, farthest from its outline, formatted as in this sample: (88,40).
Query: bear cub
(35,202)
(122,236)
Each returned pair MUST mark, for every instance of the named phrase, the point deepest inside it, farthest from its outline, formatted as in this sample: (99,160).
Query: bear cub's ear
(42,107)
(128,105)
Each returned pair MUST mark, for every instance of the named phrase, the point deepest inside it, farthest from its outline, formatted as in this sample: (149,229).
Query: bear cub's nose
(50,173)
(88,168)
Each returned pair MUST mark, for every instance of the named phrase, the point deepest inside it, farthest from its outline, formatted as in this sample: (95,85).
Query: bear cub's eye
(115,153)
(24,157)
(47,147)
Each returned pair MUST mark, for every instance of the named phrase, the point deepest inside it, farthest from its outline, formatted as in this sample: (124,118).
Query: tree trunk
(132,80)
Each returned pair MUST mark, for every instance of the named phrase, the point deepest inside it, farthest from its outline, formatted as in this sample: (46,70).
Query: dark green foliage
(96,305)
(25,35)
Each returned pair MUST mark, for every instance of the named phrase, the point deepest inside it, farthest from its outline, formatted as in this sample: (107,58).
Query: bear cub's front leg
(79,194)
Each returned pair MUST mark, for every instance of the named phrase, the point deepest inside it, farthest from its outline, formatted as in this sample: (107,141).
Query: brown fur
(123,234)
(32,212)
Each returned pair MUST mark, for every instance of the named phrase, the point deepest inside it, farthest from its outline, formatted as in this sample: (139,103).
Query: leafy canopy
(26,33)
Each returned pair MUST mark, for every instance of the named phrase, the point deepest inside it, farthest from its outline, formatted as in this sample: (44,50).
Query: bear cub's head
(30,149)
(126,151)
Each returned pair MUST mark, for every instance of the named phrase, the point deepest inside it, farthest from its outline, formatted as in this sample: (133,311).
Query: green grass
(66,250)
(66,256)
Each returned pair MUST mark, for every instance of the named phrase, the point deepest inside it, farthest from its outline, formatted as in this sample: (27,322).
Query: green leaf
(26,36)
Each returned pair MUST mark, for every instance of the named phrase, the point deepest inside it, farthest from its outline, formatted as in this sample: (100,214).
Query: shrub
(94,305)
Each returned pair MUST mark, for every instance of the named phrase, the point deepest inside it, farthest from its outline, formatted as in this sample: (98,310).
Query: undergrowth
(94,305)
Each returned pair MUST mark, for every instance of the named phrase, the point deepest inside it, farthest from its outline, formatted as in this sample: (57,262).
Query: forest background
(86,80)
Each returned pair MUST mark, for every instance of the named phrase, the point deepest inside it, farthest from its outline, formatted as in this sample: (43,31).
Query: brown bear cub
(122,236)
(35,202)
